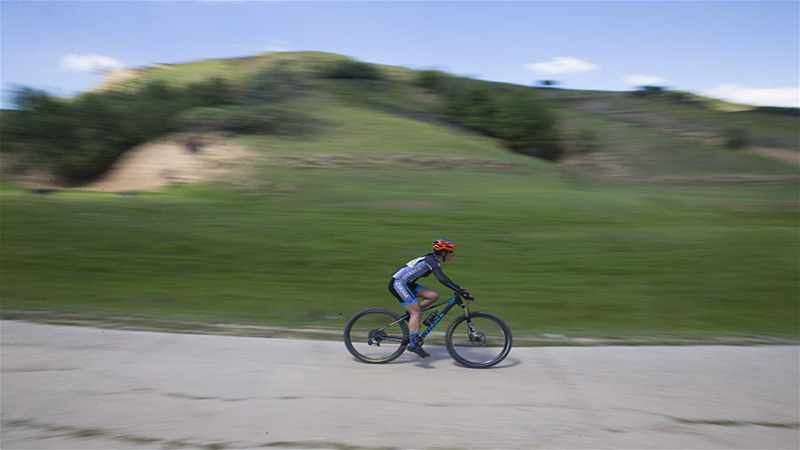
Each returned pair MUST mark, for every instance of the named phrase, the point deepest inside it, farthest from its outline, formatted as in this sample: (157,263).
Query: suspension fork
(472,332)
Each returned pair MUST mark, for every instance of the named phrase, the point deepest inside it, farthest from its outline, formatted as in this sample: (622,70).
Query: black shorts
(406,293)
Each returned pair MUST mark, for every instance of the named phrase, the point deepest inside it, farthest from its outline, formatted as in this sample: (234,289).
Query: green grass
(642,152)
(351,129)
(761,128)
(546,256)
(238,69)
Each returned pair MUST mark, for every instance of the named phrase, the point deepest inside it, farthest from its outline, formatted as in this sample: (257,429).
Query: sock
(414,339)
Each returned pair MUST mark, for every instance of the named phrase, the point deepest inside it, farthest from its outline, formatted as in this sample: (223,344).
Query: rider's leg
(413,326)
(415,312)
(410,302)
(427,297)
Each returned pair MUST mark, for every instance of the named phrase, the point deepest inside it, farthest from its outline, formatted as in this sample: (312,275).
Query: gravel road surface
(84,388)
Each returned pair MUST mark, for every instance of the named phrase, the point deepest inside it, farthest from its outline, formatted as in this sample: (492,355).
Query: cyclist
(416,297)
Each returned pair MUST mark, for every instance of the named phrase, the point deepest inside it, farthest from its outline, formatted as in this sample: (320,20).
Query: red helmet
(443,245)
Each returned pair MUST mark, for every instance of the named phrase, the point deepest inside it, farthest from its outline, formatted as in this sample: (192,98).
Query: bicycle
(476,340)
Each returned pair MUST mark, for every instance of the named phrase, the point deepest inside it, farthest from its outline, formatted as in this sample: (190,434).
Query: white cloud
(788,97)
(644,80)
(89,63)
(277,46)
(562,64)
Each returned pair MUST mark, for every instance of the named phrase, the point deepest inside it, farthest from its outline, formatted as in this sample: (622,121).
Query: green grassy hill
(687,116)
(670,134)
(553,248)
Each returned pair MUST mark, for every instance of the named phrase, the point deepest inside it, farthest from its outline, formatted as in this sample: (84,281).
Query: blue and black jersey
(403,284)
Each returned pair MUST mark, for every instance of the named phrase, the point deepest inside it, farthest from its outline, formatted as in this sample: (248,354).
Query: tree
(646,91)
(479,110)
(736,138)
(350,69)
(432,80)
(529,127)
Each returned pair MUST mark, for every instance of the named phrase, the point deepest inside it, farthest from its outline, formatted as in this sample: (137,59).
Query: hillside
(636,231)
(630,137)
(671,137)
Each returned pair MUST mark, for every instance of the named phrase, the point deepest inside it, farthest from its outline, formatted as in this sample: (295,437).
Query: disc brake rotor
(477,339)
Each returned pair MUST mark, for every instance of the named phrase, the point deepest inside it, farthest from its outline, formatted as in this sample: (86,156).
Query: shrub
(649,91)
(280,81)
(528,126)
(517,116)
(736,138)
(349,69)
(581,142)
(259,119)
(432,80)
(212,92)
(81,138)
(549,83)
(479,110)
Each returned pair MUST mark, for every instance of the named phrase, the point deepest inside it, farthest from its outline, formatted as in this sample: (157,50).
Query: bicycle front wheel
(479,341)
(376,335)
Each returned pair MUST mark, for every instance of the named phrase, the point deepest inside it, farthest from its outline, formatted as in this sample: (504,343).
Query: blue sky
(740,51)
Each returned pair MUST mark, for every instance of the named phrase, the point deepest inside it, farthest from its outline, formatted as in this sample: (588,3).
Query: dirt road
(85,388)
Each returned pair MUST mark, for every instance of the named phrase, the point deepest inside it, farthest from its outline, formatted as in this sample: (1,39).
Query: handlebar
(468,297)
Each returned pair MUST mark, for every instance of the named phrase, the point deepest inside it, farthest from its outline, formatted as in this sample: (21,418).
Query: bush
(212,92)
(649,91)
(528,126)
(432,80)
(736,138)
(517,116)
(581,142)
(472,105)
(349,69)
(260,119)
(81,138)
(549,83)
(280,81)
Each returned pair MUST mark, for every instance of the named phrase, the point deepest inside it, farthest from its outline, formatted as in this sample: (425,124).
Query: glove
(464,293)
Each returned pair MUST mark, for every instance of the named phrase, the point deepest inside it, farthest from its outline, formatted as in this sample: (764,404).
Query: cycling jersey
(403,284)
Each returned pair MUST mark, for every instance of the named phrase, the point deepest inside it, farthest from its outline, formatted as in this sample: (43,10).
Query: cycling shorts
(406,294)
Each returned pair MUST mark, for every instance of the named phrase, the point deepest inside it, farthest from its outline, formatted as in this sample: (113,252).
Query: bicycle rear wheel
(375,336)
(478,341)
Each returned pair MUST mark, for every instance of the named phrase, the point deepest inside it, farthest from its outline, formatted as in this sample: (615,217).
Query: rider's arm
(437,270)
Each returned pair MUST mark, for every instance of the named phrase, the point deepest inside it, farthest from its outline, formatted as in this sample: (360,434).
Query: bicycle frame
(451,302)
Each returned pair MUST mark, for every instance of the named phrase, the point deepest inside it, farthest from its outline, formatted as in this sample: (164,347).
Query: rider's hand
(464,293)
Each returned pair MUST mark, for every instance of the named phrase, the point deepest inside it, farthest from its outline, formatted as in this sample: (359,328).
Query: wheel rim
(487,344)
(372,328)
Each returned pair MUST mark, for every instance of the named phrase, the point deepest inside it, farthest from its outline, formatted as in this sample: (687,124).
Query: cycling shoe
(419,351)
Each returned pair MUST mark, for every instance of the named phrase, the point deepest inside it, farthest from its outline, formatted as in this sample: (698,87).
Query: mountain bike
(474,339)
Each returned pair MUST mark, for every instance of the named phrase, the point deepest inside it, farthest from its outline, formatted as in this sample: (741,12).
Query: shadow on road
(438,354)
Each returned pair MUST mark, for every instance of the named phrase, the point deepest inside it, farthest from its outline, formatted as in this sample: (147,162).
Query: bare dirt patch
(392,161)
(786,156)
(612,168)
(177,159)
(603,166)
(723,178)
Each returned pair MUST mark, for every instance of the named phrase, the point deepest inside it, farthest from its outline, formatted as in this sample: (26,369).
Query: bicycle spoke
(480,341)
(374,338)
